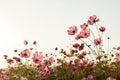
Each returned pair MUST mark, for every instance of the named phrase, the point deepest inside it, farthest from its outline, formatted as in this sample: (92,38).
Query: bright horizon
(47,22)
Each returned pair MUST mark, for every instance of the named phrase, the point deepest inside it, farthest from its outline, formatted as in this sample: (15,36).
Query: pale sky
(47,21)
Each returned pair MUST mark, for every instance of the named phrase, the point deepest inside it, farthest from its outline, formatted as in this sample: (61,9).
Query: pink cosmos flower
(25,53)
(83,26)
(81,47)
(10,61)
(72,30)
(37,58)
(97,41)
(5,56)
(35,43)
(93,19)
(117,54)
(25,42)
(102,29)
(17,59)
(85,33)
(76,45)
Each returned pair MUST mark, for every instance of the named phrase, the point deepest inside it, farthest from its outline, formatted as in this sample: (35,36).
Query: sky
(47,21)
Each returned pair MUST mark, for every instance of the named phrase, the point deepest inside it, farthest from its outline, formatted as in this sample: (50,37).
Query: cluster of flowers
(86,59)
(37,64)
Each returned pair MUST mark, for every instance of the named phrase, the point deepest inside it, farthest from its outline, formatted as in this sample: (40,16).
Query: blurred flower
(81,47)
(10,61)
(84,78)
(17,59)
(76,45)
(5,56)
(118,78)
(97,41)
(35,43)
(110,78)
(102,29)
(74,69)
(25,53)
(15,50)
(25,42)
(37,58)
(118,48)
(90,77)
(23,78)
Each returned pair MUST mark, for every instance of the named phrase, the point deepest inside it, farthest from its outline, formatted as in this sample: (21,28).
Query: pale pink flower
(102,29)
(72,30)
(85,33)
(83,26)
(25,53)
(93,19)
(37,58)
(97,41)
(25,42)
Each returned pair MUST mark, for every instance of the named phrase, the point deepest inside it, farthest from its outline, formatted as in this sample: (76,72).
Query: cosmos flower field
(85,60)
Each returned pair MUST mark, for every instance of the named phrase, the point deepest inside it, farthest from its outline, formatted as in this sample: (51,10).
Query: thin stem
(97,29)
(108,45)
(88,46)
(92,33)
(93,44)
